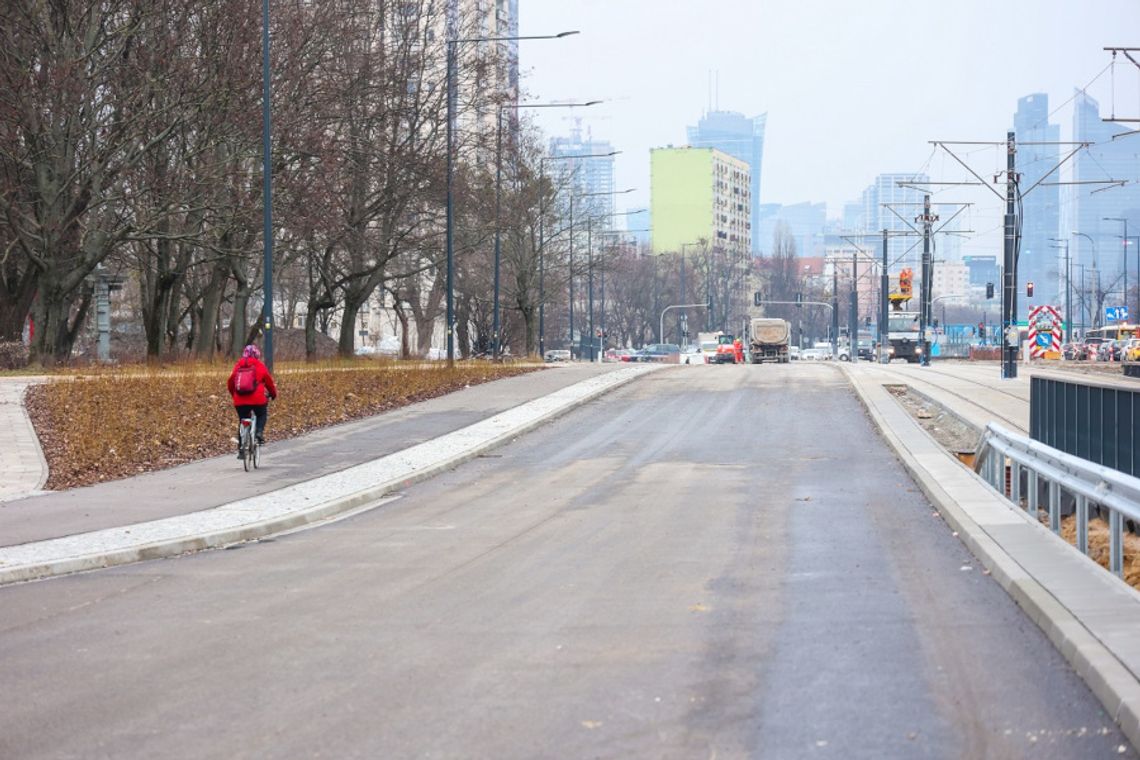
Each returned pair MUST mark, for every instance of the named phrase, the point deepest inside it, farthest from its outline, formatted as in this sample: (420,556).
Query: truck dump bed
(769,340)
(769,331)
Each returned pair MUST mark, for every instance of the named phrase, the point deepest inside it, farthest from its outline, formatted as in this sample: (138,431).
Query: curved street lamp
(452,96)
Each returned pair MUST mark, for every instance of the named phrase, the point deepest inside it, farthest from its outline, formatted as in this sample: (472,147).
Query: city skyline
(829,131)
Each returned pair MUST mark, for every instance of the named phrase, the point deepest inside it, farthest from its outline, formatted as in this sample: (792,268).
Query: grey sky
(852,89)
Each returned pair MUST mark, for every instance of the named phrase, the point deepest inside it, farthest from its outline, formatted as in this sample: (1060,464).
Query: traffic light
(906,284)
(757,298)
(1029,290)
(989,290)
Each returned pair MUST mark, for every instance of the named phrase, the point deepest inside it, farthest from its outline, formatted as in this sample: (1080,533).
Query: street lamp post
(542,243)
(453,44)
(1094,308)
(1123,256)
(589,265)
(266,189)
(496,337)
(1068,288)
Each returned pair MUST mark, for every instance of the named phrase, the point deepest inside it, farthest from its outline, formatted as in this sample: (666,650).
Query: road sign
(1116,313)
(1044,332)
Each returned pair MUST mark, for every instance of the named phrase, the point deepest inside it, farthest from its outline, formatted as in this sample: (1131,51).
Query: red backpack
(245,380)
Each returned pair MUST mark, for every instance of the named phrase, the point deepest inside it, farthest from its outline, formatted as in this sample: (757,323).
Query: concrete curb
(1113,683)
(301,504)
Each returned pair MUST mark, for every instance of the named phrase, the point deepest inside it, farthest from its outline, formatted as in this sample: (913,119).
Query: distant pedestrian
(251,387)
(738,349)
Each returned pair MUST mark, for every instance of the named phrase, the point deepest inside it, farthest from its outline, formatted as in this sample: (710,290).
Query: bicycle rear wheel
(246,447)
(256,454)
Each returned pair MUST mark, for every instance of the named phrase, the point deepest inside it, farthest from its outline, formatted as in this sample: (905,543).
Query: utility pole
(853,319)
(590,281)
(571,273)
(1010,335)
(1010,339)
(834,311)
(884,306)
(927,288)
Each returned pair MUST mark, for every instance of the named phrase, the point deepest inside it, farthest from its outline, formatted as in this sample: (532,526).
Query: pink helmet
(251,352)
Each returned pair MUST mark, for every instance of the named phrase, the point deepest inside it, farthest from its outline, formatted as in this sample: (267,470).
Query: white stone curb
(300,504)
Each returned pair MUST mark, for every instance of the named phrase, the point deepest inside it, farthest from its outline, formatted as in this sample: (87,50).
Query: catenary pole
(1010,338)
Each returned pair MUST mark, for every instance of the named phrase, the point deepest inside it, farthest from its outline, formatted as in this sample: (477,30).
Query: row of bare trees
(130,140)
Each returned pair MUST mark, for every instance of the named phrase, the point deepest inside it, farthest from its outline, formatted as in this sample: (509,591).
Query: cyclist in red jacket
(251,387)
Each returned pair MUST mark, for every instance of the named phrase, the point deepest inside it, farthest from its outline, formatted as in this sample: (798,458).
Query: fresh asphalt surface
(710,562)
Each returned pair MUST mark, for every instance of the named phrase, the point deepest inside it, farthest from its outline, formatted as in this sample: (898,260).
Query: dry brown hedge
(115,425)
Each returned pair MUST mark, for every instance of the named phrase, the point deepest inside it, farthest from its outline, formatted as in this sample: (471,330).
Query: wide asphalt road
(713,562)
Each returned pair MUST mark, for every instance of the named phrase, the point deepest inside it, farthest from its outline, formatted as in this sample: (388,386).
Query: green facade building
(699,194)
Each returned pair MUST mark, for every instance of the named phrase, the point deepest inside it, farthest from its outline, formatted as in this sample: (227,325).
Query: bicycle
(247,440)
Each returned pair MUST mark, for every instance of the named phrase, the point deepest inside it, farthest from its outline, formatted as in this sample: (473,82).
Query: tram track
(924,378)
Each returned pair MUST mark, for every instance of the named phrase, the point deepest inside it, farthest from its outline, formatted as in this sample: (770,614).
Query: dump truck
(769,341)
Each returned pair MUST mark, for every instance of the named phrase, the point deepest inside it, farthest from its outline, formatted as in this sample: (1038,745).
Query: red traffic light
(1029,290)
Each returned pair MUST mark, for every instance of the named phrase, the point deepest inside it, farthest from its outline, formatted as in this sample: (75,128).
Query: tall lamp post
(496,337)
(453,44)
(1068,288)
(1123,257)
(266,190)
(541,241)
(1094,309)
(589,268)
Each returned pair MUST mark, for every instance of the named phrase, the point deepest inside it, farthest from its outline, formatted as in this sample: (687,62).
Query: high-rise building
(806,223)
(1105,159)
(590,179)
(1041,208)
(900,191)
(737,135)
(699,194)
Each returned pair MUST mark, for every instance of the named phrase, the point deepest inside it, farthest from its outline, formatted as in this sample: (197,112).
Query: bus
(1121,331)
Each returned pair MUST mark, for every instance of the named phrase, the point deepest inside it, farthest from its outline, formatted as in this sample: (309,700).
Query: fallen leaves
(108,426)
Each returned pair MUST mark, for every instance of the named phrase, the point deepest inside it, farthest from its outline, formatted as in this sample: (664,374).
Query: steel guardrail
(1088,483)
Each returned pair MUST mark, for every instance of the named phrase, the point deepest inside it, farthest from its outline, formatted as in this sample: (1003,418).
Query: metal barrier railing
(1047,469)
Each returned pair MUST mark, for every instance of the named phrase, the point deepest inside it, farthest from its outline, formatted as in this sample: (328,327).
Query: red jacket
(264,383)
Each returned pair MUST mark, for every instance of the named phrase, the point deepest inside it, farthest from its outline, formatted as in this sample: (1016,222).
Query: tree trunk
(211,308)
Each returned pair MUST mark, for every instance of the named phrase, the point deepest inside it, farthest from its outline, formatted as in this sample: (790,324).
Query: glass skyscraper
(741,137)
(1039,261)
(586,176)
(1105,159)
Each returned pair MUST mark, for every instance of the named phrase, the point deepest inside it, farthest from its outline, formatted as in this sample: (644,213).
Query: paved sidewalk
(23,470)
(1091,616)
(221,480)
(311,498)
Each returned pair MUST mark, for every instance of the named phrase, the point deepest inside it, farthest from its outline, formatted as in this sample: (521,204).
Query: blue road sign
(1116,313)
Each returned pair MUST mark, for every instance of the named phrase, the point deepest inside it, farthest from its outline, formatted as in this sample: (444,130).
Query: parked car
(629,355)
(1089,348)
(556,355)
(1109,351)
(664,353)
(793,353)
(1132,350)
(1070,351)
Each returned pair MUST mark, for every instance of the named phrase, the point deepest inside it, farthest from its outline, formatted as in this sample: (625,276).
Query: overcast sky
(852,89)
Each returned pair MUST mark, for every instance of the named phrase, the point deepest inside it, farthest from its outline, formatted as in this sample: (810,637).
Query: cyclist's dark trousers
(259,410)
